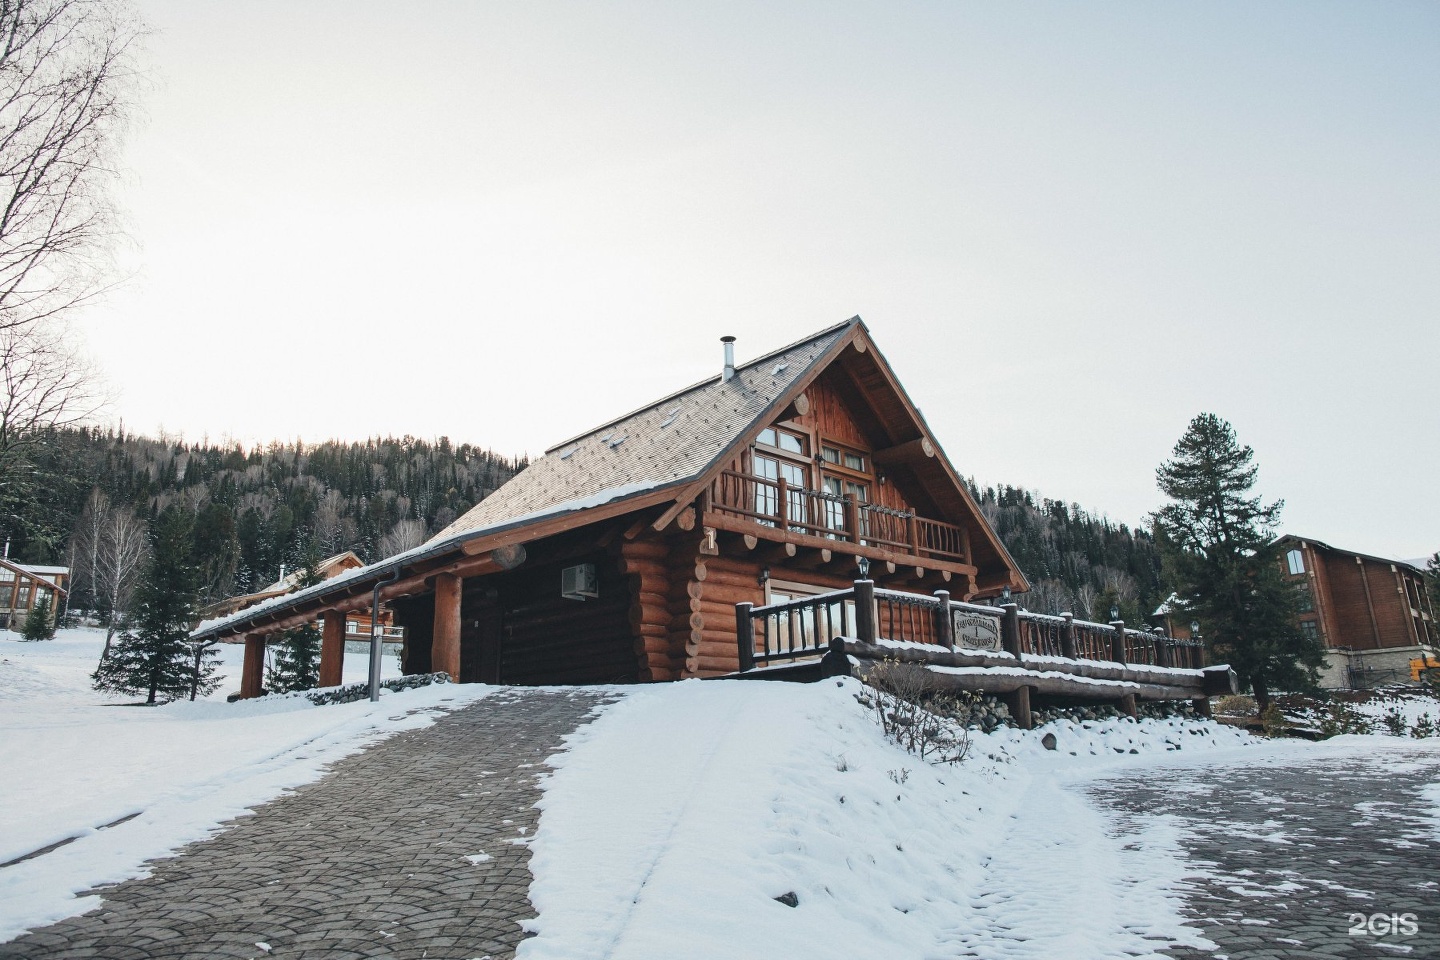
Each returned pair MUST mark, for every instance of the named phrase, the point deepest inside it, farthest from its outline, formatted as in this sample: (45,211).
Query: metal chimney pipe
(729,371)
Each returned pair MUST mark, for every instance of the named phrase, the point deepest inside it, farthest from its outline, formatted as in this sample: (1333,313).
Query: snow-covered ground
(684,821)
(75,761)
(673,823)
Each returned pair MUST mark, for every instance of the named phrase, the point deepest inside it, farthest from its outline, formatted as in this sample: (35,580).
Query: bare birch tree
(66,77)
(405,535)
(124,550)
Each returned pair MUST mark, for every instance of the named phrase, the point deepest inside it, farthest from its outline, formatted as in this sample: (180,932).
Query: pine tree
(154,656)
(1218,546)
(37,622)
(297,655)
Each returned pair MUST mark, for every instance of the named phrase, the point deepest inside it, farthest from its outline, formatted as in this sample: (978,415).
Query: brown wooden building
(620,555)
(24,586)
(1373,614)
(357,624)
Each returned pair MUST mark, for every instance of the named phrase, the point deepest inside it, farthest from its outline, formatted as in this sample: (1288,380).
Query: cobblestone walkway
(1292,855)
(414,848)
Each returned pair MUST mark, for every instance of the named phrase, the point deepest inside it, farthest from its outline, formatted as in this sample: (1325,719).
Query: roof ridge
(705,383)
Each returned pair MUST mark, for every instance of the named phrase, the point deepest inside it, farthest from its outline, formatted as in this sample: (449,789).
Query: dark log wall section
(546,638)
(417,616)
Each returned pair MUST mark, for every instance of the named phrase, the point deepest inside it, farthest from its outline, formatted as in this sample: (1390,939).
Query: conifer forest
(258,509)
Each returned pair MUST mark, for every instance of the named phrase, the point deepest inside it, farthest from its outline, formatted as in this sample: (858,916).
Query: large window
(1295,560)
(781,454)
(1310,629)
(1307,600)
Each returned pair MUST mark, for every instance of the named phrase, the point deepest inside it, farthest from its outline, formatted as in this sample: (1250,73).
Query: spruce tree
(297,655)
(1218,546)
(154,655)
(37,622)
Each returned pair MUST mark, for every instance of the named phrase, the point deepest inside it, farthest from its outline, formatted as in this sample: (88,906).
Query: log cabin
(24,586)
(621,554)
(1374,615)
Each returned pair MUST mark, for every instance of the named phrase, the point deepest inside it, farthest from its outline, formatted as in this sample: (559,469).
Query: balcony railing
(775,503)
(803,628)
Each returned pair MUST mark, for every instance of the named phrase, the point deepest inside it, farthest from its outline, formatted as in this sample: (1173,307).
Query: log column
(445,647)
(332,648)
(252,676)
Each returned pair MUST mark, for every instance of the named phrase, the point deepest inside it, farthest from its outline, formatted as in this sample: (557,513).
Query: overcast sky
(1070,227)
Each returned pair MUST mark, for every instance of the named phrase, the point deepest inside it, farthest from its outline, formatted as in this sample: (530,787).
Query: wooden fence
(784,632)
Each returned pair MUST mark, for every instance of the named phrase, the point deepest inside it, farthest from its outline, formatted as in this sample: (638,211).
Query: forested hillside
(1075,561)
(255,509)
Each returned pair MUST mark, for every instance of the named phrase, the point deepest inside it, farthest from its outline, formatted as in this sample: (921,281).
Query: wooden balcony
(775,510)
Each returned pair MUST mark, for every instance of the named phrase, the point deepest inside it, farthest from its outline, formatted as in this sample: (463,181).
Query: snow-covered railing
(803,628)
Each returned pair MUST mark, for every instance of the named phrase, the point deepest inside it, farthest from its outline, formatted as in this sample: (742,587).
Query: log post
(252,675)
(1162,649)
(1010,629)
(1117,643)
(852,518)
(332,648)
(1019,704)
(745,635)
(445,642)
(865,611)
(1129,707)
(1202,706)
(912,534)
(782,507)
(1067,639)
(944,622)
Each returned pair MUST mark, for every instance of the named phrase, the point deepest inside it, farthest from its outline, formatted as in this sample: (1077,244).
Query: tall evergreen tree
(1218,546)
(297,655)
(37,622)
(154,656)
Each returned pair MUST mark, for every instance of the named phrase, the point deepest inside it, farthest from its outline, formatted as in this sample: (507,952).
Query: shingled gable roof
(660,454)
(673,441)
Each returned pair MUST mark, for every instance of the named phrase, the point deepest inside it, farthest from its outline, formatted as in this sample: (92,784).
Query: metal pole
(377,634)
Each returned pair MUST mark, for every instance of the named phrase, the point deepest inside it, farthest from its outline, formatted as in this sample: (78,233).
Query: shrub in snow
(1424,727)
(359,691)
(923,721)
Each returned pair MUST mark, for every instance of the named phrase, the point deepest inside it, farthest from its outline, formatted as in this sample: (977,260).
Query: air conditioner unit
(579,582)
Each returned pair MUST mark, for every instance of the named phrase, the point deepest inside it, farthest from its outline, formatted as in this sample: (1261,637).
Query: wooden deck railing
(802,628)
(775,503)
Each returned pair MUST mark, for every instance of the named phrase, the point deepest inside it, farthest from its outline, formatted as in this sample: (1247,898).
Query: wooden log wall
(546,638)
(644,562)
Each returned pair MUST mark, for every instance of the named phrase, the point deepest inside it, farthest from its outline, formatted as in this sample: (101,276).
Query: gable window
(1295,561)
(781,454)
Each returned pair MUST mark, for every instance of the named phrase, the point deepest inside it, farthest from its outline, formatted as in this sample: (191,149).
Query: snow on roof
(1417,566)
(427,549)
(670,441)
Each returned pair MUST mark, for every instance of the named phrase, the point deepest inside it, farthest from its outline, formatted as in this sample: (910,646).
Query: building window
(22,599)
(7,593)
(1307,601)
(1295,560)
(787,441)
(1309,629)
